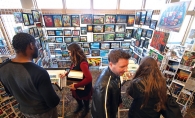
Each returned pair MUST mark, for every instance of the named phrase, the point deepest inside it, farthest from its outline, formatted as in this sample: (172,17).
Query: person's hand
(62,75)
(121,105)
(72,87)
(129,75)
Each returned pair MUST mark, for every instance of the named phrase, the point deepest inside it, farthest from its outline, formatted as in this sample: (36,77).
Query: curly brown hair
(153,81)
(77,54)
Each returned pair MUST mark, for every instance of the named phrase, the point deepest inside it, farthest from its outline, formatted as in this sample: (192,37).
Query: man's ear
(110,64)
(31,45)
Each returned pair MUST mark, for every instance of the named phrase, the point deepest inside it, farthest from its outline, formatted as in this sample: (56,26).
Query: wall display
(86,45)
(169,78)
(121,18)
(51,32)
(174,20)
(25,19)
(31,20)
(109,37)
(120,28)
(76,32)
(86,51)
(125,45)
(109,28)
(36,33)
(128,33)
(138,17)
(119,36)
(105,61)
(58,52)
(36,15)
(65,53)
(51,39)
(172,65)
(66,20)
(176,53)
(182,75)
(138,33)
(95,52)
(144,31)
(94,61)
(59,39)
(86,19)
(130,20)
(159,40)
(104,53)
(64,64)
(104,45)
(175,88)
(143,17)
(75,39)
(57,20)
(94,45)
(18,29)
(153,24)
(89,28)
(48,19)
(75,20)
(98,19)
(149,33)
(188,59)
(158,57)
(67,39)
(83,38)
(18,17)
(31,31)
(58,32)
(109,18)
(114,45)
(148,17)
(98,37)
(98,28)
(67,32)
(83,30)
(183,97)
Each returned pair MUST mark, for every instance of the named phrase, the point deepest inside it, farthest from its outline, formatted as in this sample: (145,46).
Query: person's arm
(86,73)
(132,90)
(46,90)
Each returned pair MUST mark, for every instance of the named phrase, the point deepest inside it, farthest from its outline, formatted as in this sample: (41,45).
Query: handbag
(172,108)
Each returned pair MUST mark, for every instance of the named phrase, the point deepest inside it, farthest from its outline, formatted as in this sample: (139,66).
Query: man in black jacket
(27,82)
(107,90)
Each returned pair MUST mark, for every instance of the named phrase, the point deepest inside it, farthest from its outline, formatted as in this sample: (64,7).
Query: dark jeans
(50,114)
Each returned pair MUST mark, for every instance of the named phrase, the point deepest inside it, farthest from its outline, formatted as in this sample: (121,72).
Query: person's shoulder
(5,62)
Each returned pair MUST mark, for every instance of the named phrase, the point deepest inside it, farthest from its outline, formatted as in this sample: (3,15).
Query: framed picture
(109,18)
(109,37)
(57,20)
(143,17)
(17,29)
(95,52)
(132,43)
(94,61)
(172,66)
(105,61)
(25,19)
(59,39)
(153,24)
(67,39)
(75,39)
(31,20)
(66,20)
(86,19)
(176,88)
(137,43)
(138,17)
(65,53)
(67,32)
(149,33)
(130,20)
(59,32)
(120,28)
(36,15)
(128,33)
(114,45)
(63,46)
(80,44)
(138,33)
(48,20)
(89,28)
(75,20)
(183,97)
(144,31)
(98,19)
(83,30)
(75,32)
(51,40)
(83,38)
(146,43)
(18,17)
(109,28)
(188,59)
(104,45)
(98,28)
(86,45)
(98,37)
(95,45)
(31,32)
(148,17)
(51,32)
(119,36)
(86,51)
(121,18)
(104,53)
(125,45)
(36,32)
(182,75)
(141,43)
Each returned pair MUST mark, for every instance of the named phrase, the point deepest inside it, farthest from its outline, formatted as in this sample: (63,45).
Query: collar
(112,74)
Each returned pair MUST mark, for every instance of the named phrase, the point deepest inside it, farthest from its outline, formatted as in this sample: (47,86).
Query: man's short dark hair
(117,54)
(21,41)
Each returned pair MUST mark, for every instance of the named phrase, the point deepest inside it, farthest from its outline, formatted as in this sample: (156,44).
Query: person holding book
(148,90)
(107,89)
(79,63)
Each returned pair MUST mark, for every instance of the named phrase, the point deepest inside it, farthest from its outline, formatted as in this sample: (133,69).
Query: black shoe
(84,113)
(79,108)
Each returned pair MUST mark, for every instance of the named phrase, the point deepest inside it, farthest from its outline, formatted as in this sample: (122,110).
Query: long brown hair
(153,82)
(77,54)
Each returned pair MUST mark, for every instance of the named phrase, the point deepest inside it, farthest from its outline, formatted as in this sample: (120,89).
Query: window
(49,4)
(130,4)
(104,4)
(155,4)
(78,4)
(10,4)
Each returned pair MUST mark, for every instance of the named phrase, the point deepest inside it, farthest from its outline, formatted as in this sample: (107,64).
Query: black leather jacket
(107,95)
